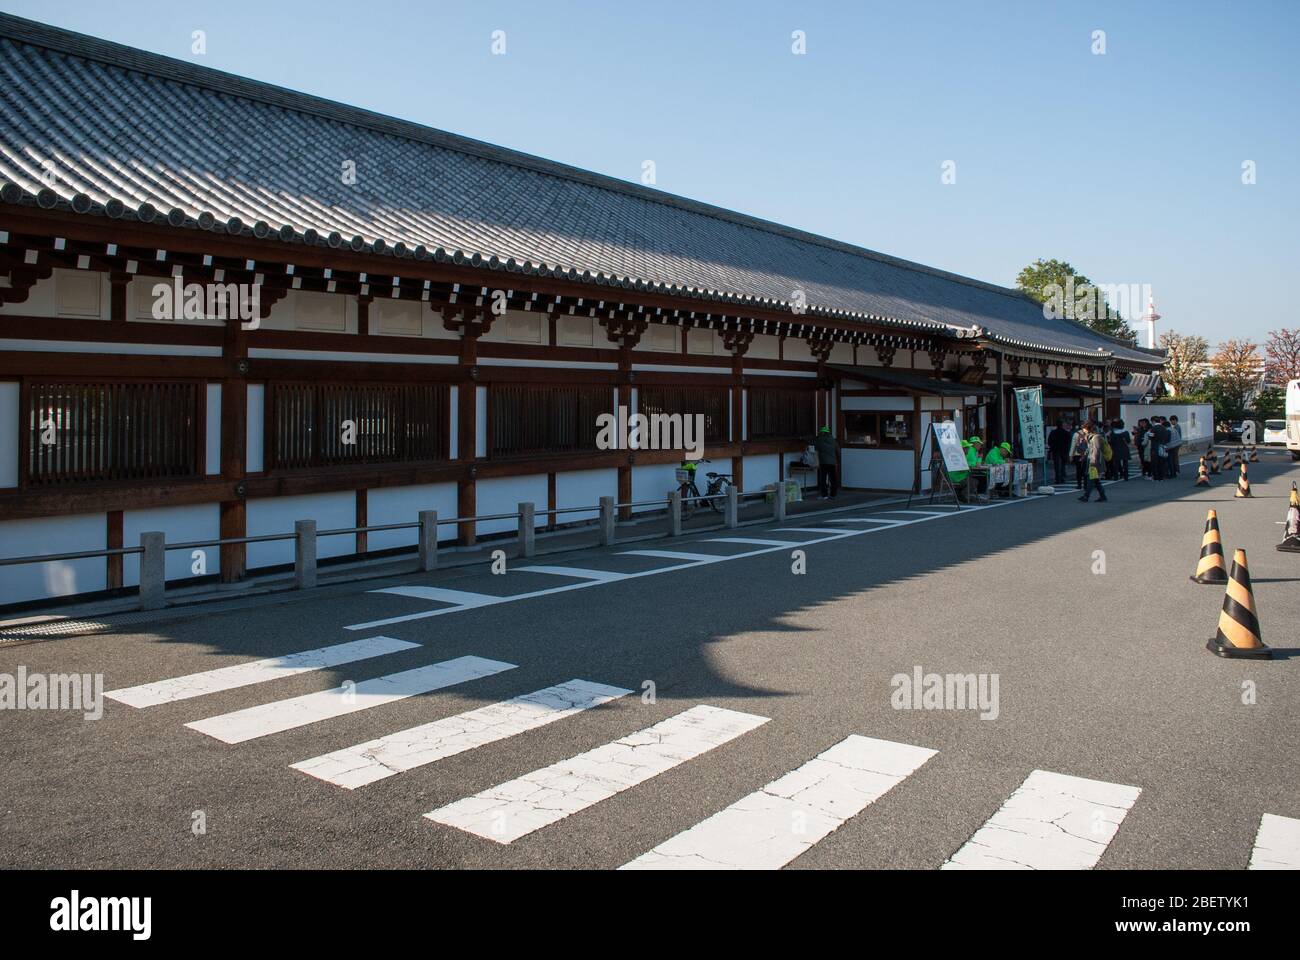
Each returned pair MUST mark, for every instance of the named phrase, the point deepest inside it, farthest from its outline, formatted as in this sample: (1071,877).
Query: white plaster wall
(212,443)
(760,471)
(9,433)
(877,469)
(253,428)
(764,347)
(33,581)
(581,488)
(179,525)
(504,494)
(278,515)
(403,505)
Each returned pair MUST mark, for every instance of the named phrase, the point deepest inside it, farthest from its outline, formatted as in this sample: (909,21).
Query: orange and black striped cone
(1254,454)
(1210,568)
(1202,478)
(1291,539)
(1214,460)
(1238,634)
(1243,483)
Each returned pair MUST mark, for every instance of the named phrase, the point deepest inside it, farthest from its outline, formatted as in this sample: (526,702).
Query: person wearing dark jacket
(1119,445)
(1058,450)
(828,463)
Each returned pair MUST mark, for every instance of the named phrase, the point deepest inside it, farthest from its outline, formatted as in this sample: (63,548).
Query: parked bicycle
(715,491)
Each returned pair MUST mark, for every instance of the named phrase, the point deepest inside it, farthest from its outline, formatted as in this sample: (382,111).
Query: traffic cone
(1243,483)
(1210,568)
(1238,634)
(1241,455)
(1291,539)
(1214,460)
(1202,478)
(1254,454)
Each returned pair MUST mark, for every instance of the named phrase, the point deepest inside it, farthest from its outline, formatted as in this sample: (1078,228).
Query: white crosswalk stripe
(1277,844)
(578,573)
(460,598)
(268,718)
(518,807)
(756,541)
(396,753)
(769,828)
(674,555)
(1052,822)
(257,671)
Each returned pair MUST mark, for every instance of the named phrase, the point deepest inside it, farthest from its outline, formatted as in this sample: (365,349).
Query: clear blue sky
(1128,165)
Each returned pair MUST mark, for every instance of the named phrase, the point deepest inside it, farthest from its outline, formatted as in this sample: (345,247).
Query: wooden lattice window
(319,425)
(86,432)
(689,401)
(780,414)
(528,419)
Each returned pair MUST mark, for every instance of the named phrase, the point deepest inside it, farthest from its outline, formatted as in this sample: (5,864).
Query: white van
(1293,418)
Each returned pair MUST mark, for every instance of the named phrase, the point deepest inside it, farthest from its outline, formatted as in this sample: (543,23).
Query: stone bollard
(733,507)
(153,571)
(304,554)
(778,502)
(428,540)
(527,530)
(606,521)
(675,513)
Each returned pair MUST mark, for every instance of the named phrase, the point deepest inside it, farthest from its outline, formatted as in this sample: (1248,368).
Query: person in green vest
(999,454)
(973,446)
(958,477)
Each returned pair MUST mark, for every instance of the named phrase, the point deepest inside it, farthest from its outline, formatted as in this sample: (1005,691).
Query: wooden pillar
(113,541)
(738,419)
(117,303)
(623,397)
(234,453)
(363,315)
(917,442)
(551,515)
(467,431)
(362,513)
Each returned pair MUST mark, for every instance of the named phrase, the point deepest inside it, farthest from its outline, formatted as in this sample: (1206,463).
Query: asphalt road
(1103,676)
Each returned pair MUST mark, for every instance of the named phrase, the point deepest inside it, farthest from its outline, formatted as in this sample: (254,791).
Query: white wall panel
(278,515)
(34,581)
(253,452)
(504,494)
(581,488)
(213,440)
(403,505)
(179,525)
(9,397)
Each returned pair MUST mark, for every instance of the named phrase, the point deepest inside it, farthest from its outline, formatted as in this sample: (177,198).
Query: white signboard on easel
(949,444)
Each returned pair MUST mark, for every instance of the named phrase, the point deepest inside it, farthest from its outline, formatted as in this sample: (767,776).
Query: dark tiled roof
(135,135)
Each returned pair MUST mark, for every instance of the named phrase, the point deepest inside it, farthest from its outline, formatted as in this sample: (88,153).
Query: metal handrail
(83,555)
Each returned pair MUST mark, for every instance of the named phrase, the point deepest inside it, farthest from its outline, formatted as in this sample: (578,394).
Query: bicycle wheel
(689,490)
(715,501)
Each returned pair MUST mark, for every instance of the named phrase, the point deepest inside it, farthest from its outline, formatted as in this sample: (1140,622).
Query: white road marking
(281,715)
(888,523)
(769,828)
(395,753)
(921,513)
(756,541)
(688,560)
(514,809)
(821,530)
(256,671)
(1052,822)
(1277,844)
(579,573)
(460,598)
(675,555)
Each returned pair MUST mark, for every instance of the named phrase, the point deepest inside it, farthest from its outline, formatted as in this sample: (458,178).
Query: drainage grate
(56,628)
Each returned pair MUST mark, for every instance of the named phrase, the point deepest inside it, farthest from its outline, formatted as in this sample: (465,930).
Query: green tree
(1270,404)
(1071,294)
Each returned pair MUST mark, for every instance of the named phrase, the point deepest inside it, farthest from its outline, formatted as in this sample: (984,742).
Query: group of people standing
(1103,450)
